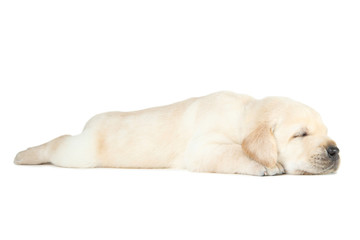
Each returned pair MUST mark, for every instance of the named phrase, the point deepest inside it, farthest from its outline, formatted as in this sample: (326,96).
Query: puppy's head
(292,134)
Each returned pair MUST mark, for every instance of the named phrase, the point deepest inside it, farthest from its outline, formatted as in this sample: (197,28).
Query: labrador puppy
(223,133)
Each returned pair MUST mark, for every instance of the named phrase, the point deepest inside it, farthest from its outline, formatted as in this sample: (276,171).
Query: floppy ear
(260,146)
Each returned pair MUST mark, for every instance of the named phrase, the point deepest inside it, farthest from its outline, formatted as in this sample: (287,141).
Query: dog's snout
(333,152)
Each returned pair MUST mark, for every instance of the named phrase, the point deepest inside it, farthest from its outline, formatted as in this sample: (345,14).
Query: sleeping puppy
(223,132)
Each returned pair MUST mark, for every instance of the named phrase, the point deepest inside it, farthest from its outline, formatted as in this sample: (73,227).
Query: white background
(63,61)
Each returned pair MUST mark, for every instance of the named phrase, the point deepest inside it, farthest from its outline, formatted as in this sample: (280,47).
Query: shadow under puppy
(222,132)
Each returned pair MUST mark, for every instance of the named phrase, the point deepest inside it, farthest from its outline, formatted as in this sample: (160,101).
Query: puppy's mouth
(331,168)
(323,165)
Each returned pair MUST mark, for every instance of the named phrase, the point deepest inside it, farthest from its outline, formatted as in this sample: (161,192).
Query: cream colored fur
(223,132)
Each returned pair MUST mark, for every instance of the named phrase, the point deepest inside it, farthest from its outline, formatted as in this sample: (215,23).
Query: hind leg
(39,154)
(65,151)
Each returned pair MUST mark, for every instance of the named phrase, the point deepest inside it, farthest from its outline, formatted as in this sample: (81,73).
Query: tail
(40,154)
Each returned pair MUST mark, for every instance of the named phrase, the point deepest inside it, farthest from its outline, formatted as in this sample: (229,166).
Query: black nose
(333,152)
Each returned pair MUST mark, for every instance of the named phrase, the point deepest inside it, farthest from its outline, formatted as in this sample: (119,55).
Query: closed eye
(301,134)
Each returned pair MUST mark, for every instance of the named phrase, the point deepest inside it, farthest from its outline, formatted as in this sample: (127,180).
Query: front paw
(276,170)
